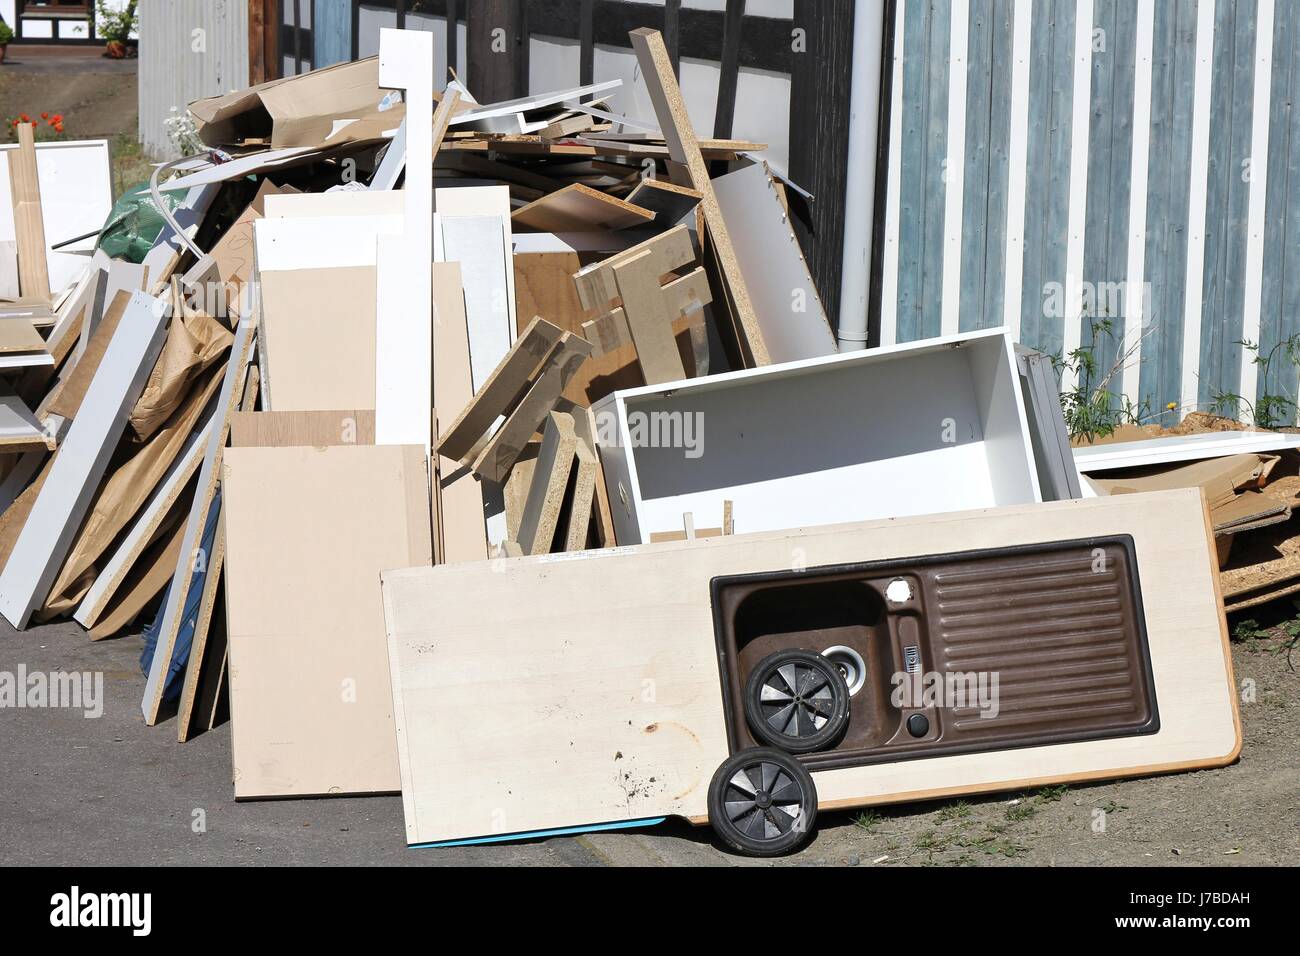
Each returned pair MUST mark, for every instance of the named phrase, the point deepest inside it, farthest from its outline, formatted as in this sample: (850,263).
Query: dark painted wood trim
(586,43)
(729,74)
(673,33)
(495,75)
(882,174)
(820,87)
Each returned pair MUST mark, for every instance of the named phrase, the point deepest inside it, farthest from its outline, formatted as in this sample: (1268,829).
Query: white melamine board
(215,175)
(906,430)
(17,423)
(146,524)
(572,738)
(476,115)
(786,303)
(1175,448)
(9,288)
(81,460)
(479,201)
(476,242)
(321,242)
(76,198)
(595,241)
(404,288)
(26,360)
(347,202)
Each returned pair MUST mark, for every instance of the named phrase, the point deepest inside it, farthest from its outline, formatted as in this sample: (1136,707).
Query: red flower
(58,127)
(25,118)
(45,116)
(58,117)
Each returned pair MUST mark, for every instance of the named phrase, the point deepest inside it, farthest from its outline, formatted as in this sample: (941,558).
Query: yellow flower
(1171,406)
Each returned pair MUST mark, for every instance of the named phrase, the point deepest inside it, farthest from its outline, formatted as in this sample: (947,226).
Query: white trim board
(479,201)
(321,242)
(80,463)
(1175,448)
(373,202)
(404,280)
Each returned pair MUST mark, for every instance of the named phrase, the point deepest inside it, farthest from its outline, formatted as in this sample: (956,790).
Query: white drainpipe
(860,185)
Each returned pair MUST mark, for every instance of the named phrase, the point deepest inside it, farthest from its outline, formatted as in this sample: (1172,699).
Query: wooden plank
(320,632)
(670,251)
(457,634)
(674,121)
(685,295)
(29,222)
(502,450)
(208,649)
(19,335)
(585,425)
(648,319)
(81,462)
(586,42)
(541,512)
(461,528)
(187,566)
(500,393)
(579,208)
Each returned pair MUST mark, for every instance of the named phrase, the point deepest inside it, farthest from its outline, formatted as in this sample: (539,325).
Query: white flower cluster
(181,133)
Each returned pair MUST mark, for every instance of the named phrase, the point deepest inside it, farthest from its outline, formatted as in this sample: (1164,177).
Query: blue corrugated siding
(1280,310)
(1110,150)
(1171,201)
(1047,183)
(925,145)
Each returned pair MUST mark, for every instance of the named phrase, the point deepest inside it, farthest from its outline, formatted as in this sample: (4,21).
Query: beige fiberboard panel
(607,751)
(308,531)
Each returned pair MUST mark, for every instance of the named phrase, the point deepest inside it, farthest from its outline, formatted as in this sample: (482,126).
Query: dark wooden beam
(729,76)
(673,33)
(882,172)
(263,41)
(586,43)
(495,50)
(450,14)
(820,84)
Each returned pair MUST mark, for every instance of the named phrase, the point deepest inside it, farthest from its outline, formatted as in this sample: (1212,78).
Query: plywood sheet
(304,611)
(581,733)
(579,208)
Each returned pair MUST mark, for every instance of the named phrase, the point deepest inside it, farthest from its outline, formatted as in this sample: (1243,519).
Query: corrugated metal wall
(1052,159)
(188,49)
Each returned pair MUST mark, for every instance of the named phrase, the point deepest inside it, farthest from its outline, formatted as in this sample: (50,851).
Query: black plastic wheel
(797,700)
(762,802)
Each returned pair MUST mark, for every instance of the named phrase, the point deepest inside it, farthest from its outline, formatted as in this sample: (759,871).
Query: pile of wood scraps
(417,401)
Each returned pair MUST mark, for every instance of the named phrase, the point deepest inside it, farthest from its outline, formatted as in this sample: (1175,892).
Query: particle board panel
(19,335)
(670,109)
(579,208)
(20,431)
(81,461)
(541,513)
(669,202)
(648,319)
(346,202)
(320,632)
(638,733)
